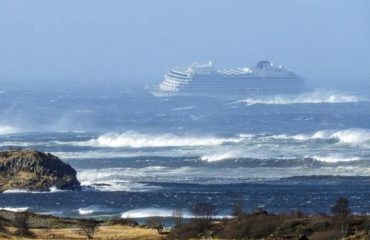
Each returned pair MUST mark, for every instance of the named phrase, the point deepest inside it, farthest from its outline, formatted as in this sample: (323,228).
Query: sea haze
(138,155)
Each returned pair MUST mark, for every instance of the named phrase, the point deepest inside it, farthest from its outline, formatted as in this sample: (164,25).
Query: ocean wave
(93,209)
(315,97)
(51,190)
(138,140)
(115,179)
(218,156)
(346,136)
(18,191)
(162,212)
(15,209)
(57,190)
(336,158)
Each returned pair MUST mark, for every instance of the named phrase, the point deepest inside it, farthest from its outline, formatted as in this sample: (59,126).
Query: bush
(186,231)
(291,226)
(252,226)
(123,222)
(317,225)
(21,223)
(327,235)
(88,228)
(203,213)
(177,216)
(155,223)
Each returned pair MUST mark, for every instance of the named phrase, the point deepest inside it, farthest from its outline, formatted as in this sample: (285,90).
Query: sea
(138,156)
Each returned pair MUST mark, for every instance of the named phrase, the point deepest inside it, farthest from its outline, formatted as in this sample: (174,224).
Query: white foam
(218,156)
(116,179)
(83,211)
(317,96)
(335,158)
(147,212)
(346,136)
(92,209)
(16,191)
(51,190)
(15,209)
(183,108)
(55,190)
(139,140)
(4,130)
(161,212)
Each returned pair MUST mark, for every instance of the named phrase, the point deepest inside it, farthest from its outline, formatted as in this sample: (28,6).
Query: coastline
(256,225)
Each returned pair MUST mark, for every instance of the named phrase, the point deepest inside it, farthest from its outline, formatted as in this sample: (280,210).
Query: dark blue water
(139,155)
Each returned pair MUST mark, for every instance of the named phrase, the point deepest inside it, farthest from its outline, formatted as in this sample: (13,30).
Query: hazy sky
(102,40)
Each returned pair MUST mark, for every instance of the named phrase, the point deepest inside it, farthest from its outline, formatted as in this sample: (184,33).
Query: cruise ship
(206,80)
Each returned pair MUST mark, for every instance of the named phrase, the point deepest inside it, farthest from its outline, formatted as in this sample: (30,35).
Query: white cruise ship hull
(204,80)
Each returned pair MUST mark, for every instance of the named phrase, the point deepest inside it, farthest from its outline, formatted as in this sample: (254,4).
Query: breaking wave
(336,158)
(139,140)
(93,210)
(346,136)
(318,96)
(161,212)
(218,156)
(15,209)
(115,179)
(4,130)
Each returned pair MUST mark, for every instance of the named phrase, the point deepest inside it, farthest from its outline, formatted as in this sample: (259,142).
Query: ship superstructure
(205,79)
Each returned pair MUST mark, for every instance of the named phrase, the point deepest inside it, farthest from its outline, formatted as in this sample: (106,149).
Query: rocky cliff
(35,171)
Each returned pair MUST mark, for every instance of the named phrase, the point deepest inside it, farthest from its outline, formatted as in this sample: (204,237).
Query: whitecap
(5,130)
(336,158)
(15,209)
(139,140)
(162,212)
(54,189)
(218,156)
(17,191)
(92,209)
(315,97)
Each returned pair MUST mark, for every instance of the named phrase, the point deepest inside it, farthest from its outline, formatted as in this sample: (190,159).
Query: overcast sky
(137,39)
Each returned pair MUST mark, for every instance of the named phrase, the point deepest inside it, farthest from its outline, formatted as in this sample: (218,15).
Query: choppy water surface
(143,156)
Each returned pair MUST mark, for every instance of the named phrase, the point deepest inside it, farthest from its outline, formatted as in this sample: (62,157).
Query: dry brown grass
(113,232)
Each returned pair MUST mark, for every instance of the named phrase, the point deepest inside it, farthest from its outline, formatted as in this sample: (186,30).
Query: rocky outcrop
(35,171)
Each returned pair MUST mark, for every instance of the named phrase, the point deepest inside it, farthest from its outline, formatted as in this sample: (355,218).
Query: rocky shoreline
(35,171)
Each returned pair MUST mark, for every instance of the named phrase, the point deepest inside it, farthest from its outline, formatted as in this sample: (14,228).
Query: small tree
(204,212)
(21,223)
(177,216)
(238,206)
(342,212)
(88,228)
(155,223)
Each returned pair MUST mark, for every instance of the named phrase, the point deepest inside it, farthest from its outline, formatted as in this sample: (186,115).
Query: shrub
(123,221)
(186,231)
(341,213)
(177,216)
(316,225)
(88,228)
(291,226)
(155,223)
(252,226)
(21,223)
(203,213)
(327,235)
